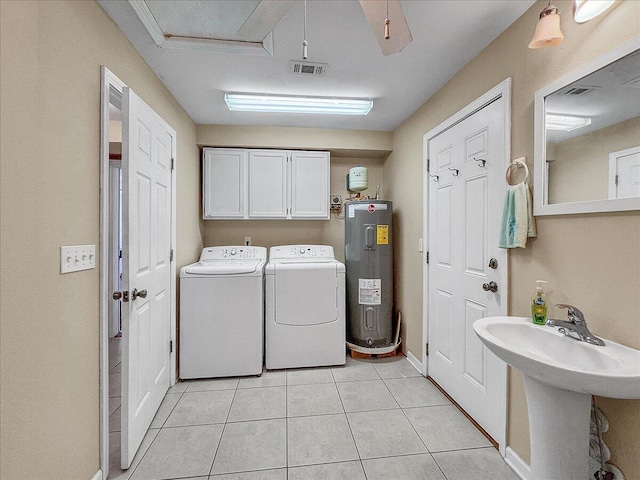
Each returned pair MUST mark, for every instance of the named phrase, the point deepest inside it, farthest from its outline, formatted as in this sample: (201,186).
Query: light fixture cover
(585,10)
(246,102)
(548,33)
(566,123)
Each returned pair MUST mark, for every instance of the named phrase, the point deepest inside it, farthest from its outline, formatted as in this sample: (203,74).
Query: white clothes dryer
(304,307)
(222,313)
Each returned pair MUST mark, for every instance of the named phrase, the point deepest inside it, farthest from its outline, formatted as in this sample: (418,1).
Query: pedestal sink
(560,375)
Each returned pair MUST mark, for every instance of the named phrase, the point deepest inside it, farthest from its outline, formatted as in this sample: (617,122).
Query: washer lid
(222,268)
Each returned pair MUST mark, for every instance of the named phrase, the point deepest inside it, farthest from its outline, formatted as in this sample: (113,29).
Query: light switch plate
(77,257)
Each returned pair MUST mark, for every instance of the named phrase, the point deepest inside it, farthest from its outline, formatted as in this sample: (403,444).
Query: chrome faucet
(576,326)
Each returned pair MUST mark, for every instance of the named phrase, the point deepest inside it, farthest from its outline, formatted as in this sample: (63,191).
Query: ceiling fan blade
(376,13)
(263,19)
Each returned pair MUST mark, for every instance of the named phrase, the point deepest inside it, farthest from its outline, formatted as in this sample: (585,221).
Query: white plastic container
(358,179)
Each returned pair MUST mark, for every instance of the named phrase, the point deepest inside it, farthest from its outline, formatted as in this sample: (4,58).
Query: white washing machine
(304,307)
(222,313)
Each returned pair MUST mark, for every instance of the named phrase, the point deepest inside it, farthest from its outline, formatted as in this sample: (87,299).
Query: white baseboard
(417,364)
(517,464)
(98,475)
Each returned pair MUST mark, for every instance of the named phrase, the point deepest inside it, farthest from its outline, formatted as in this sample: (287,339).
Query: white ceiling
(446,35)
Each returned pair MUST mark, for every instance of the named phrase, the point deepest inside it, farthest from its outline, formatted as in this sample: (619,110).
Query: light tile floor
(372,419)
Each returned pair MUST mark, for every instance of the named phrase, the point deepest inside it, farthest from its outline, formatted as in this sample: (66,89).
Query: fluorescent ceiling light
(565,122)
(585,10)
(244,102)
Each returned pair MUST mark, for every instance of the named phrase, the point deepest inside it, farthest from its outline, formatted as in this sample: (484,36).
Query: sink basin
(560,375)
(550,357)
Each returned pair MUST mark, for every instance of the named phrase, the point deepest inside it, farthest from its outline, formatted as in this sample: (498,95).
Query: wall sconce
(585,10)
(547,32)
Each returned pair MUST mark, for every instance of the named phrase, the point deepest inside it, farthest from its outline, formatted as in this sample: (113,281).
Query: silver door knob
(493,286)
(117,295)
(135,294)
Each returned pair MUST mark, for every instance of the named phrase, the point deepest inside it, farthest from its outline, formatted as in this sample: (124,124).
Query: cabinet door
(267,184)
(223,183)
(310,185)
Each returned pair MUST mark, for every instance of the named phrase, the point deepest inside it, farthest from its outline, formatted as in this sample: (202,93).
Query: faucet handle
(573,312)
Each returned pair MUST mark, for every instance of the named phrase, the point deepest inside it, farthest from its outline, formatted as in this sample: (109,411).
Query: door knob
(117,295)
(493,286)
(135,294)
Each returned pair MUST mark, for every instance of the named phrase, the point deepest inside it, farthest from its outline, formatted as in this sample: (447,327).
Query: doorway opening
(137,234)
(465,158)
(115,279)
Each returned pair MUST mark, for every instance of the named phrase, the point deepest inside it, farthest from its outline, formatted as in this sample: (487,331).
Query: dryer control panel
(210,254)
(302,251)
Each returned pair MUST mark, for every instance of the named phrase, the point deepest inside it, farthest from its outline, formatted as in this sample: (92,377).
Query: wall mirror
(587,137)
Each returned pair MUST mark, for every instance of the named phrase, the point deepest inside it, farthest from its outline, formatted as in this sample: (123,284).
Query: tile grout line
(224,426)
(349,424)
(286,426)
(174,407)
(414,429)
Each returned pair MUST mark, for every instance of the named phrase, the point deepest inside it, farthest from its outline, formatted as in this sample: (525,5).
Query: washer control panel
(302,251)
(210,254)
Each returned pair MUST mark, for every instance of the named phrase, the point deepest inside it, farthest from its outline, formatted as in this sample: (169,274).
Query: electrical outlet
(76,258)
(336,202)
(247,241)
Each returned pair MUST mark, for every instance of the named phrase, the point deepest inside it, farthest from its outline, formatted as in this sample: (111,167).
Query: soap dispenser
(539,305)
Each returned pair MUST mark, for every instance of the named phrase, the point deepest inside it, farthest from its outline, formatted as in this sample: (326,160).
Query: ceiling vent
(307,68)
(578,91)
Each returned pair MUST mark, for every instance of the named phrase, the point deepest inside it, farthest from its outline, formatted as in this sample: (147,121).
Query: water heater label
(352,211)
(383,234)
(370,291)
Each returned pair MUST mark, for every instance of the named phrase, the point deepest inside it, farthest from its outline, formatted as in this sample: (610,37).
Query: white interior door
(624,173)
(146,268)
(464,214)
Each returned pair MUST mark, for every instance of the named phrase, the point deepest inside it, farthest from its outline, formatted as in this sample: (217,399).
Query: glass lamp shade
(547,32)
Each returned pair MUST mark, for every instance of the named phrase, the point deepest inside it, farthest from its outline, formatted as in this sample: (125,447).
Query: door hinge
(426,349)
(170,346)
(171,255)
(428,165)
(616,179)
(427,255)
(173,164)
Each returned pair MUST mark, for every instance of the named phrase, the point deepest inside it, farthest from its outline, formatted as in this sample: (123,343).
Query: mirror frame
(540,146)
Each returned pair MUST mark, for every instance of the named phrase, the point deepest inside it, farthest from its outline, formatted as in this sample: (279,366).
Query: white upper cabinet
(268,184)
(265,184)
(224,183)
(309,185)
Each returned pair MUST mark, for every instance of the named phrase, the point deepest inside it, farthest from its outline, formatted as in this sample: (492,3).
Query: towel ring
(518,162)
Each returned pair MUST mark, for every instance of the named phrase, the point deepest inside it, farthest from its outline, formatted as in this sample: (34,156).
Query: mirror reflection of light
(585,10)
(566,123)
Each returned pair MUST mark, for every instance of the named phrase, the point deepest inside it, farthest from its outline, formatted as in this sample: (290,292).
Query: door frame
(111,88)
(503,89)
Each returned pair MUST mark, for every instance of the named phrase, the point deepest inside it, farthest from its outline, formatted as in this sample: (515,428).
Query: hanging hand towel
(517,217)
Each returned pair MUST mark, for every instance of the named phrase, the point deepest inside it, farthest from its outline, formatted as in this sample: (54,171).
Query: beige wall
(51,54)
(345,142)
(580,170)
(268,233)
(592,261)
